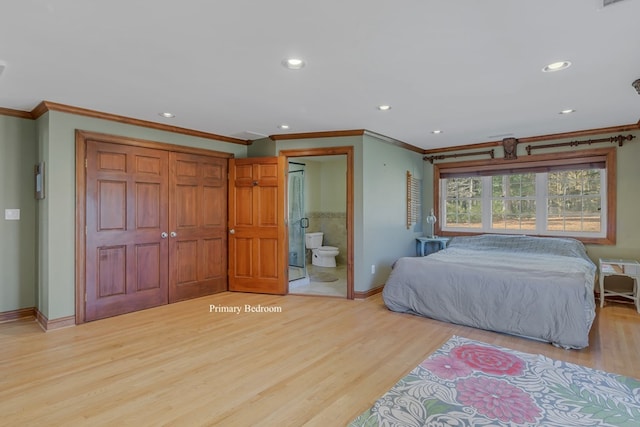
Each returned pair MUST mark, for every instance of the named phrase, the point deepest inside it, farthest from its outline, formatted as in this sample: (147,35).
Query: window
(513,202)
(575,201)
(565,194)
(463,202)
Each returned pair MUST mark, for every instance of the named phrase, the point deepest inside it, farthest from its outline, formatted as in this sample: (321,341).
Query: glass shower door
(297,225)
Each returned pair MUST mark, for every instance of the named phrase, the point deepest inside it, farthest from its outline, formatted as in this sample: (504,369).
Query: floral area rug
(469,383)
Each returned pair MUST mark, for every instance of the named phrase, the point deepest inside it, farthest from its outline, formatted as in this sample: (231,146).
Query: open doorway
(320,209)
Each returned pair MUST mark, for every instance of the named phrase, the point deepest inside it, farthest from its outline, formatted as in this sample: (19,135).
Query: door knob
(232,231)
(174,234)
(164,235)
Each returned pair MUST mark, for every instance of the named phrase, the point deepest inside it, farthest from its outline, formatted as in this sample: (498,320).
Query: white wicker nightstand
(619,267)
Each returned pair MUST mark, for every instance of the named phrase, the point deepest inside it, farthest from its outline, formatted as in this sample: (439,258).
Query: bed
(535,287)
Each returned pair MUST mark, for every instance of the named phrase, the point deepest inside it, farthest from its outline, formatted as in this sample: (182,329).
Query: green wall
(42,214)
(326,185)
(18,264)
(628,206)
(385,234)
(312,187)
(333,190)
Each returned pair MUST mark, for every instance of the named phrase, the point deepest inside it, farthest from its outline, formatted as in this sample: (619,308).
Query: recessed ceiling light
(384,107)
(556,66)
(293,63)
(567,111)
(167,115)
(436,132)
(283,126)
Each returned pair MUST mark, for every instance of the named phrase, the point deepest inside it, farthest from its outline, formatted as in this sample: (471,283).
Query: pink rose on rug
(447,367)
(489,360)
(497,399)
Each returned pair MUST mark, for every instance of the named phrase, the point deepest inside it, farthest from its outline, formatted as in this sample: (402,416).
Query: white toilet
(322,256)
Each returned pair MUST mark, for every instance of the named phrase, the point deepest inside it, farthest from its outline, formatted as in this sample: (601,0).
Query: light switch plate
(12,214)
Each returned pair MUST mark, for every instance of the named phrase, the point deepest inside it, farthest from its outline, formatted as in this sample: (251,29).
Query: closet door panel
(126,213)
(197,218)
(214,249)
(149,255)
(187,252)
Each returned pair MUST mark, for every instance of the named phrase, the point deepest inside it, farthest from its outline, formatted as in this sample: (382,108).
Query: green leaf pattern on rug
(600,407)
(435,406)
(366,419)
(630,383)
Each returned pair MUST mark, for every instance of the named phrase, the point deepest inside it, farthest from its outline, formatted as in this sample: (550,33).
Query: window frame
(541,162)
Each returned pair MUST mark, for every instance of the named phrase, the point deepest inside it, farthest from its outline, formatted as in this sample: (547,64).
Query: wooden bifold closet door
(198,224)
(155,227)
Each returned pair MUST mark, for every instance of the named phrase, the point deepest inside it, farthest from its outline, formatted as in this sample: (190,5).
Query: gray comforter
(536,287)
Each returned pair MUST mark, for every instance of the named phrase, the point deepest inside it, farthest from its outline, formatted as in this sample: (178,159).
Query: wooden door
(198,226)
(257,229)
(126,216)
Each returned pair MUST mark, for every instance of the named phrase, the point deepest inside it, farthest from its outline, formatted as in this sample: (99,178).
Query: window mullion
(487,192)
(541,202)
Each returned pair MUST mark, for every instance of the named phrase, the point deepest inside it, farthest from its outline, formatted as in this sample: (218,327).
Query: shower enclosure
(297,223)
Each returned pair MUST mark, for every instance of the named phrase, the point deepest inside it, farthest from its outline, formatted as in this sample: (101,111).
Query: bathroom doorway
(321,182)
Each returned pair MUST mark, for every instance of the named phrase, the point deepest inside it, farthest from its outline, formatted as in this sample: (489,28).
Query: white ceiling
(470,68)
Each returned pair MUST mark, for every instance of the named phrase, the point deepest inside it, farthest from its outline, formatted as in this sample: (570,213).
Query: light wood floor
(320,362)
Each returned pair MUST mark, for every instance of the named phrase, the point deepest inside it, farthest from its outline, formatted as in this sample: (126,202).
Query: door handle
(232,231)
(174,234)
(164,235)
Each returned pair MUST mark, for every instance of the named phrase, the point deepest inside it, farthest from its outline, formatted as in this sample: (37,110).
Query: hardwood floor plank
(318,362)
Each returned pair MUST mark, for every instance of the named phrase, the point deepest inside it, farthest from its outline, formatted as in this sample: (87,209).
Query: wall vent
(500,135)
(604,3)
(247,135)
